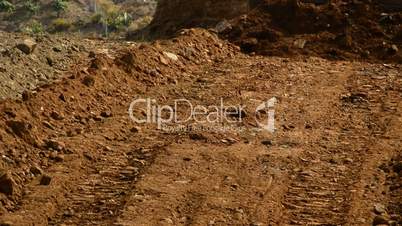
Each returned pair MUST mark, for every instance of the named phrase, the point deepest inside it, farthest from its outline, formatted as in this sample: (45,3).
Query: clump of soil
(339,30)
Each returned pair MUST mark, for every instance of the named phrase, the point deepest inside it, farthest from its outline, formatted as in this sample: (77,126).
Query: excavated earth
(364,30)
(340,30)
(71,155)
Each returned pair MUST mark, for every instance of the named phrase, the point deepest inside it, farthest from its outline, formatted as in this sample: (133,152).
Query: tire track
(319,196)
(101,195)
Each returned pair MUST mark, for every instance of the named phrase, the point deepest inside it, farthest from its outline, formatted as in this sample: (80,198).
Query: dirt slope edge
(61,130)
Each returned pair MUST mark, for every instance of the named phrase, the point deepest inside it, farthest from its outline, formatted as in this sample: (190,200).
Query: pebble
(379,208)
(6,223)
(45,180)
(163,60)
(171,56)
(106,114)
(59,158)
(56,116)
(7,184)
(380,220)
(266,142)
(168,221)
(348,160)
(135,129)
(394,48)
(36,170)
(48,125)
(26,95)
(55,145)
(300,43)
(88,81)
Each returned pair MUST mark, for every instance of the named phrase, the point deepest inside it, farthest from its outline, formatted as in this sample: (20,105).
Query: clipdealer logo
(219,114)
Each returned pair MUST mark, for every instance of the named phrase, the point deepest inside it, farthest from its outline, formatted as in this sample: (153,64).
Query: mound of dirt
(361,30)
(173,15)
(39,132)
(52,56)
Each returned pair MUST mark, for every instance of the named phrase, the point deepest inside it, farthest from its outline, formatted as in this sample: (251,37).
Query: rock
(55,145)
(6,223)
(88,156)
(398,167)
(8,160)
(36,170)
(394,49)
(135,129)
(59,158)
(7,184)
(27,46)
(171,56)
(266,142)
(380,220)
(56,116)
(106,114)
(300,43)
(45,180)
(62,97)
(92,54)
(348,161)
(197,136)
(53,155)
(168,221)
(69,213)
(108,149)
(20,128)
(50,61)
(10,112)
(257,224)
(88,80)
(97,119)
(379,208)
(48,125)
(26,95)
(163,60)
(56,49)
(223,26)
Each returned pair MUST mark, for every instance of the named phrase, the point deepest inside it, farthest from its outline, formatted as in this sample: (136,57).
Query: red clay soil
(344,29)
(70,154)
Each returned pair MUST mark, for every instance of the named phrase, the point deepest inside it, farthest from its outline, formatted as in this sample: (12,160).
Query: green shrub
(97,18)
(31,7)
(118,21)
(35,27)
(6,6)
(61,24)
(59,6)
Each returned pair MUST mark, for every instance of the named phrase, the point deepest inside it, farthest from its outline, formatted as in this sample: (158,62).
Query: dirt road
(336,123)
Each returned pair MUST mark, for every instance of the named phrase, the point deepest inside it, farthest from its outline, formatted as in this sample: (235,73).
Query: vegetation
(31,7)
(35,27)
(61,24)
(6,6)
(108,16)
(59,6)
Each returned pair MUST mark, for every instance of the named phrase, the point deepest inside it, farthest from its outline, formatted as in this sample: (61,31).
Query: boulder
(27,46)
